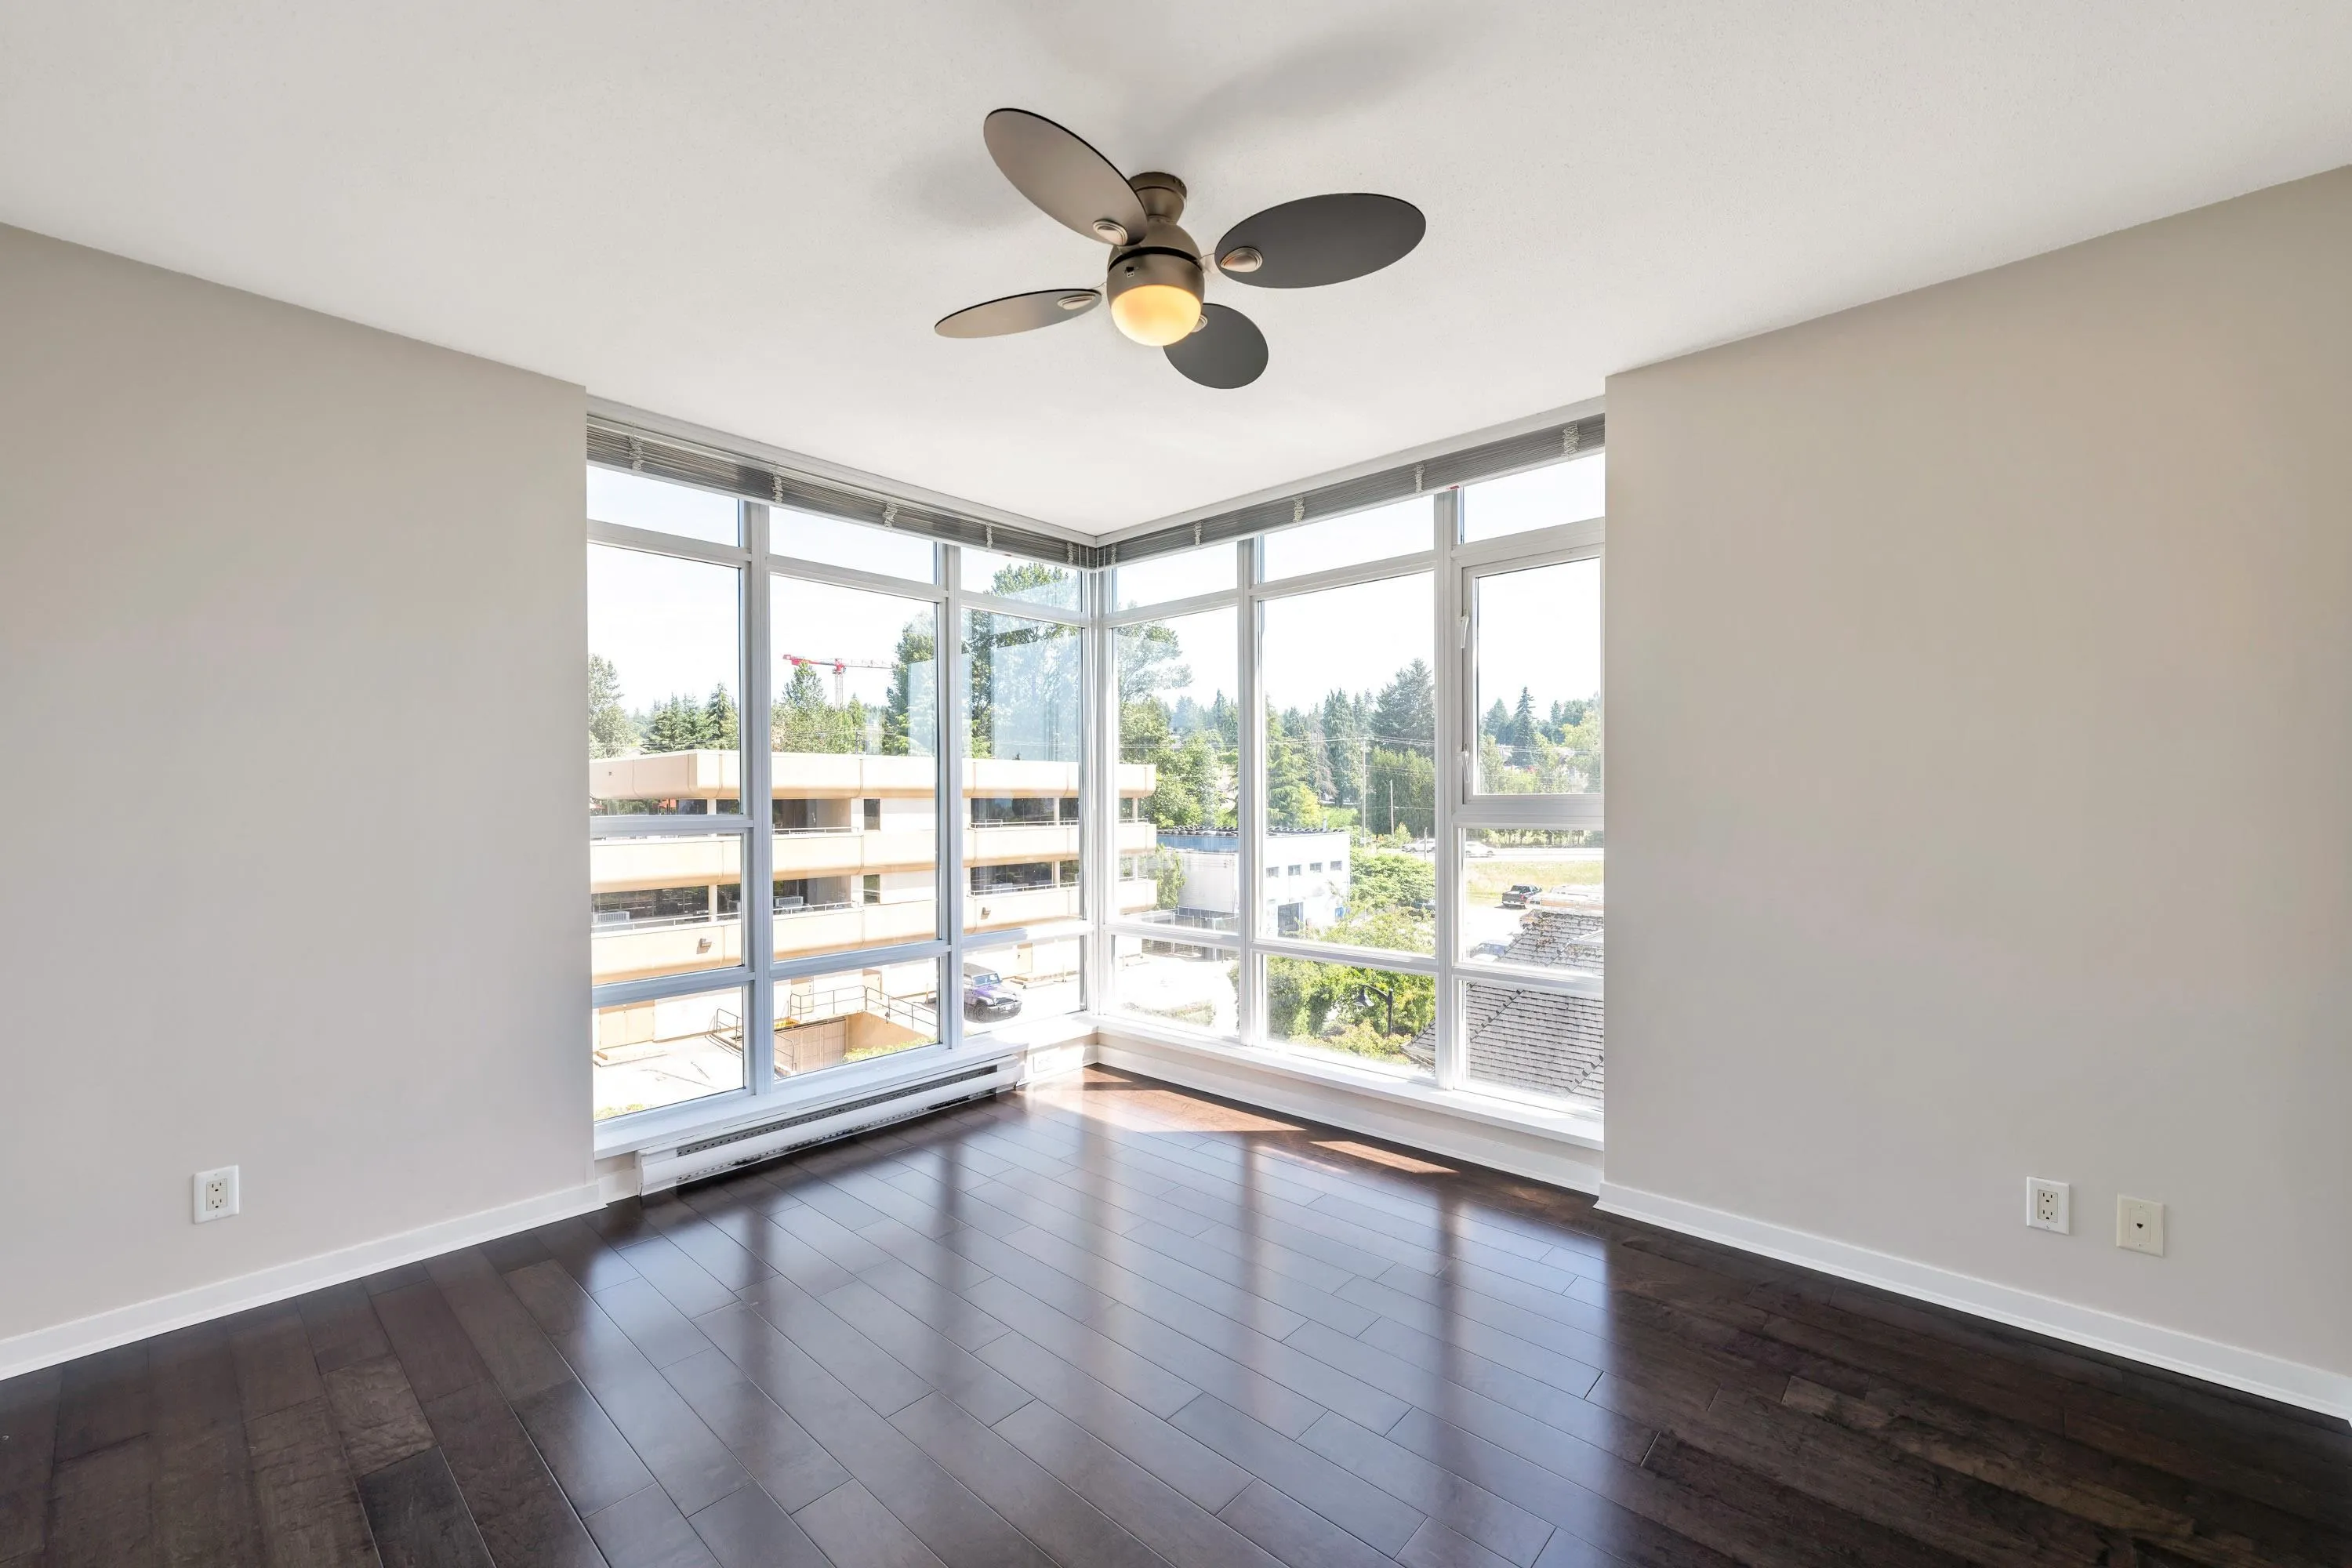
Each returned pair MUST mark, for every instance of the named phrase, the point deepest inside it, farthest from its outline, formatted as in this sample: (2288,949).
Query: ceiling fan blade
(1070,182)
(1229,351)
(1017,313)
(1319,239)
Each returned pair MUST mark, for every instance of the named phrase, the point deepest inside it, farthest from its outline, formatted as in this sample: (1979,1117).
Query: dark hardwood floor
(1118,1324)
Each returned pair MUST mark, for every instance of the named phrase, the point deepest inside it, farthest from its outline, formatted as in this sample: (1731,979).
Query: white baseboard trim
(2250,1372)
(1555,1162)
(121,1325)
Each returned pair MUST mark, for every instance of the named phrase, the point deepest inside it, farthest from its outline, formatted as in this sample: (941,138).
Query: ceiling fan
(1156,271)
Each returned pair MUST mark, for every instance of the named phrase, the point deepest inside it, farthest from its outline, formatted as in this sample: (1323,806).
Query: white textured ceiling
(747,215)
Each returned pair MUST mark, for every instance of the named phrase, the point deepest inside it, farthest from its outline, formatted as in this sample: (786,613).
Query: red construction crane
(839,667)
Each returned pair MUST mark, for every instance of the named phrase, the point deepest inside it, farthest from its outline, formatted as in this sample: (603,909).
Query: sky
(668,624)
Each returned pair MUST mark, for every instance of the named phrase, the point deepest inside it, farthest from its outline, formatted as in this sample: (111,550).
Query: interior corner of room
(1151,734)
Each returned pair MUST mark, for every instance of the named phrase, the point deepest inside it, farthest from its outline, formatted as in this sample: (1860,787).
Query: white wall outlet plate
(215,1193)
(2049,1206)
(2139,1225)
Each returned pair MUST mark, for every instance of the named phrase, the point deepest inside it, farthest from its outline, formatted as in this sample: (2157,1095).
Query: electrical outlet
(215,1193)
(2049,1206)
(2139,1225)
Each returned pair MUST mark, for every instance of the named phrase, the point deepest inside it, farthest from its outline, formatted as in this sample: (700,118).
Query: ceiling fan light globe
(1155,294)
(1156,315)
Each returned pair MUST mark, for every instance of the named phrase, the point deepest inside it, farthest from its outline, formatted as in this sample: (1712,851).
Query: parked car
(988,997)
(1489,952)
(1516,895)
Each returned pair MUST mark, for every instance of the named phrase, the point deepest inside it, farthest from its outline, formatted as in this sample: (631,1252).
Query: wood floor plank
(342,1325)
(1296,1533)
(1181,1460)
(940,1512)
(930,1356)
(1064,1525)
(650,1317)
(590,1459)
(521,1513)
(693,1466)
(303,1490)
(1354,1504)
(101,1510)
(583,1254)
(749,1528)
(1496,1523)
(855,1530)
(418,1516)
(204,1504)
(505,1335)
(434,1352)
(274,1368)
(377,1413)
(790,1466)
(102,1400)
(1139,1377)
(645,1529)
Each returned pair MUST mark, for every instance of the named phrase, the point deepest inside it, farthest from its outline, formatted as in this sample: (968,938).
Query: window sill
(1579,1128)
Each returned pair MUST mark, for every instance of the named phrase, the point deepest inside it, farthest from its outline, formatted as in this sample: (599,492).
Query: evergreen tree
(1343,750)
(1405,713)
(1497,721)
(1523,720)
(910,711)
(719,721)
(676,726)
(610,731)
(1290,800)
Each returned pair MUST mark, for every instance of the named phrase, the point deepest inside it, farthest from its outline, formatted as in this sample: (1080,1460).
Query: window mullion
(1451,781)
(1250,817)
(757,900)
(954,720)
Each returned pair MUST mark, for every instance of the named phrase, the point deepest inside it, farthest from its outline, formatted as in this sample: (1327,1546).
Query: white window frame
(757,976)
(1453,566)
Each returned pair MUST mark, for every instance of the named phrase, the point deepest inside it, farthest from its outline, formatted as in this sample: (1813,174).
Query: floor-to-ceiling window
(1374,829)
(1332,792)
(924,708)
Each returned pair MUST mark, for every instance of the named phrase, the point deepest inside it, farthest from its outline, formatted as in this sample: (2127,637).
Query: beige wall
(1980,772)
(261,573)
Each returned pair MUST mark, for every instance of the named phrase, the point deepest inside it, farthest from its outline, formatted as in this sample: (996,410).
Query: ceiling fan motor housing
(1163,253)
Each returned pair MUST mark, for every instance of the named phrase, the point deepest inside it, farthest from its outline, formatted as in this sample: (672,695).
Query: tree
(803,720)
(1290,799)
(1400,793)
(1150,659)
(720,729)
(1405,713)
(1024,686)
(911,709)
(1343,748)
(676,726)
(610,731)
(1382,880)
(1497,721)
(1523,722)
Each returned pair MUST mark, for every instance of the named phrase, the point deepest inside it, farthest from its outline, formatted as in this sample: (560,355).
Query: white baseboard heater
(661,1169)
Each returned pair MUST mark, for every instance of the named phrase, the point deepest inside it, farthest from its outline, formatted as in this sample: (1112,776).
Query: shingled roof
(1537,1041)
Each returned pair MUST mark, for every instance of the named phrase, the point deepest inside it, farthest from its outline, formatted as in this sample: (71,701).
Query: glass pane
(1212,569)
(1536,1043)
(1351,766)
(1378,1017)
(855,1015)
(840,543)
(649,1054)
(664,653)
(1537,655)
(1178,737)
(1573,491)
(663,905)
(1177,983)
(1403,528)
(1018,577)
(853,728)
(1020,851)
(1005,988)
(1532,896)
(638,502)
